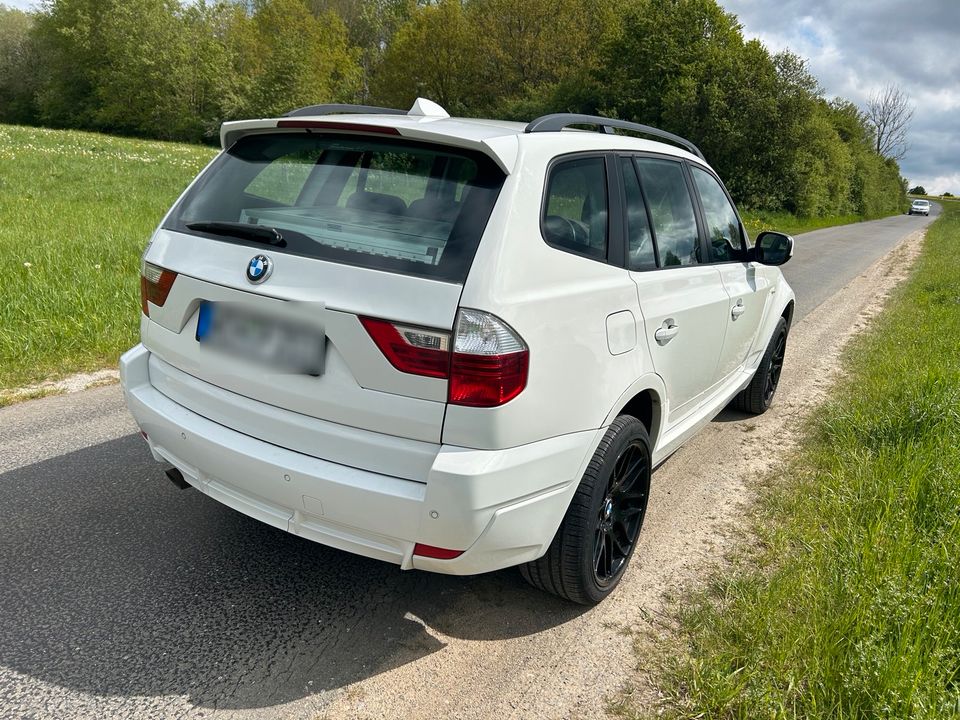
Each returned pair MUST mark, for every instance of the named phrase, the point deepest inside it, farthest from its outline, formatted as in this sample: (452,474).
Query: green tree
(144,53)
(918,190)
(68,39)
(301,59)
(434,54)
(371,25)
(17,59)
(528,49)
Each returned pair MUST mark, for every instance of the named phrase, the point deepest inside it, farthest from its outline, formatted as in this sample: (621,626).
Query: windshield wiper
(257,233)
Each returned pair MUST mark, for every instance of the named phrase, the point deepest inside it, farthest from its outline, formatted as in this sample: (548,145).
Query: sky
(854,47)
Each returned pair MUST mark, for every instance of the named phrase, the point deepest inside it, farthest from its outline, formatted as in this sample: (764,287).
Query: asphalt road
(121,596)
(826,260)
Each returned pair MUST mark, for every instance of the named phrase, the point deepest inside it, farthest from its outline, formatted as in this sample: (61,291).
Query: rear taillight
(410,349)
(155,284)
(486,366)
(490,361)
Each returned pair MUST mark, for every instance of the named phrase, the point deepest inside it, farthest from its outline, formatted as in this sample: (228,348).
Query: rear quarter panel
(559,303)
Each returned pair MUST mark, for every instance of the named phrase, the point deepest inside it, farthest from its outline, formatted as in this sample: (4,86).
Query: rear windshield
(392,205)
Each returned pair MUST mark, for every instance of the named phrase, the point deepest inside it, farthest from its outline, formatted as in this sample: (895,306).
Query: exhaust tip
(176,477)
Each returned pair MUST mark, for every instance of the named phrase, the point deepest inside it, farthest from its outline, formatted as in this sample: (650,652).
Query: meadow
(76,211)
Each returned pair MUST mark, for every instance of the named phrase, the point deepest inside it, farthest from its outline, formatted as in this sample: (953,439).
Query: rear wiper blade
(257,233)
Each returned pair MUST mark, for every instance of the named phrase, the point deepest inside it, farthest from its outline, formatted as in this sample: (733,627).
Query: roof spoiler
(558,121)
(338,108)
(421,108)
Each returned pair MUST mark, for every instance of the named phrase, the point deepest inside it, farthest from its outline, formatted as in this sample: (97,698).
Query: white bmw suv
(452,344)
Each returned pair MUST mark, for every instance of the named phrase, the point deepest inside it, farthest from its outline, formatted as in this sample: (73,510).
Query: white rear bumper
(500,507)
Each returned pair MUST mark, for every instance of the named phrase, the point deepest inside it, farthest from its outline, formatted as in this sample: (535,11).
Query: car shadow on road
(115,583)
(728,414)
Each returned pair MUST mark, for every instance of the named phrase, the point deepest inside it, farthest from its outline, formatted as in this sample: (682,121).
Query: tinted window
(640,252)
(671,210)
(723,225)
(386,204)
(575,213)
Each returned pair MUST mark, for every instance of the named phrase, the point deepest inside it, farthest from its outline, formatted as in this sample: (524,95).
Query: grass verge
(756,221)
(849,604)
(77,209)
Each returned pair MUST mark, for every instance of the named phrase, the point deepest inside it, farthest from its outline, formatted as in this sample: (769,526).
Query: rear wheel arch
(644,400)
(645,406)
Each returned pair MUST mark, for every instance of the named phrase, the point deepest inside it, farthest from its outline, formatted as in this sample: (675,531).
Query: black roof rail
(558,121)
(335,108)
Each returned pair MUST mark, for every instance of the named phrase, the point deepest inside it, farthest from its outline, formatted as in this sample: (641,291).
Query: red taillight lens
(487,367)
(410,349)
(435,552)
(487,380)
(155,284)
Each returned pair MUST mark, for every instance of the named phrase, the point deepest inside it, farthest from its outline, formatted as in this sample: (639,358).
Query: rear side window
(671,210)
(575,210)
(390,205)
(641,254)
(723,225)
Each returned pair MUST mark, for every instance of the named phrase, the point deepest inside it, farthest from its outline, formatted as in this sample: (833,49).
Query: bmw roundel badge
(258,269)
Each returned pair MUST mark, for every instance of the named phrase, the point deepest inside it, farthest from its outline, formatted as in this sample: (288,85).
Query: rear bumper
(500,507)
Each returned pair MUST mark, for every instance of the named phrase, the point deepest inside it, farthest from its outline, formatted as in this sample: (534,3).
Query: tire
(758,395)
(598,534)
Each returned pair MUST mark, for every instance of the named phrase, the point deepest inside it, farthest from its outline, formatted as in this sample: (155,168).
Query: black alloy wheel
(598,534)
(775,368)
(758,395)
(621,513)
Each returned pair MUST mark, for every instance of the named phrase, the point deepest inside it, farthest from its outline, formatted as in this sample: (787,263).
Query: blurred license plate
(267,339)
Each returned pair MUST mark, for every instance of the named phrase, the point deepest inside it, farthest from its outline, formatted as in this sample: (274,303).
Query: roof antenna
(428,108)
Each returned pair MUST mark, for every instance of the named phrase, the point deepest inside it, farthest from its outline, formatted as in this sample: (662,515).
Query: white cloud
(857,46)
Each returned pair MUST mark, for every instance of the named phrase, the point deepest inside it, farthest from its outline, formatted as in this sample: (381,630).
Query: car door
(682,299)
(746,283)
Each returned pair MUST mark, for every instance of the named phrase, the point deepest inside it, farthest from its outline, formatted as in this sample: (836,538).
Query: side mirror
(773,248)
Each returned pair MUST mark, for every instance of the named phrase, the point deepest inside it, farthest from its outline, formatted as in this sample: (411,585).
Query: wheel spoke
(608,555)
(633,470)
(619,473)
(623,545)
(598,551)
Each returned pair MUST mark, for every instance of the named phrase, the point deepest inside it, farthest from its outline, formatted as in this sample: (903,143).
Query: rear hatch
(269,277)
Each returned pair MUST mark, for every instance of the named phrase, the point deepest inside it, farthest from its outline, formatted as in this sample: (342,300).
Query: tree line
(163,69)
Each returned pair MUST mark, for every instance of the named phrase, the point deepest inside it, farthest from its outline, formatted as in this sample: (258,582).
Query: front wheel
(598,534)
(758,395)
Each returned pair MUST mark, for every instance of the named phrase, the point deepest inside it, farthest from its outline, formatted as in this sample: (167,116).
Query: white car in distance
(919,207)
(452,344)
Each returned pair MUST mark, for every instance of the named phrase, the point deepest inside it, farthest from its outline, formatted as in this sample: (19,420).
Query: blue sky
(854,47)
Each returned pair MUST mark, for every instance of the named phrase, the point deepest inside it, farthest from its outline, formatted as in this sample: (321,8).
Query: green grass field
(849,607)
(76,210)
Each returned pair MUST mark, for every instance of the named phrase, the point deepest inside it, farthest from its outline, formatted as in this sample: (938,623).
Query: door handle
(738,310)
(667,332)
